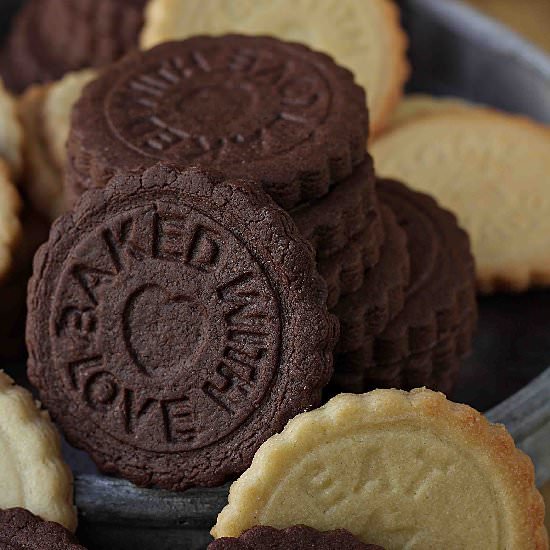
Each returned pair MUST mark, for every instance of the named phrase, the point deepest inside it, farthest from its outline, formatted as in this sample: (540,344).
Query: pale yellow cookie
(363,35)
(45,111)
(32,472)
(417,105)
(403,470)
(493,171)
(11,133)
(10,224)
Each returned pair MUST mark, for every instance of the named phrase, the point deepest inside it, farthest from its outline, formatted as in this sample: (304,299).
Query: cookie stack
(294,121)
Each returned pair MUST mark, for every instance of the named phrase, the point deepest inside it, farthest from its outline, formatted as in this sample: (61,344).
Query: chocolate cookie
(274,112)
(343,214)
(22,530)
(52,37)
(422,345)
(166,325)
(366,312)
(298,537)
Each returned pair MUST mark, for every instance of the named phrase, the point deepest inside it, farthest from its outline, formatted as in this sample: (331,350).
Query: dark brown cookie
(166,326)
(366,312)
(52,37)
(345,212)
(423,344)
(255,107)
(298,537)
(22,530)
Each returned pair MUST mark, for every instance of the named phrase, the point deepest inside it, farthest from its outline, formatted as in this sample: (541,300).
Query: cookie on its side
(45,113)
(490,169)
(52,37)
(274,112)
(403,470)
(363,35)
(22,530)
(33,474)
(166,325)
(298,537)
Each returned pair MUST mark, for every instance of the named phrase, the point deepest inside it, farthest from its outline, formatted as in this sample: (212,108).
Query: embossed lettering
(74,322)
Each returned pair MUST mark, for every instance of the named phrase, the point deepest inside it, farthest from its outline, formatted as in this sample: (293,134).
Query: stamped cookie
(298,537)
(440,299)
(22,530)
(165,326)
(11,133)
(45,112)
(32,472)
(366,312)
(255,107)
(403,470)
(363,35)
(491,170)
(52,37)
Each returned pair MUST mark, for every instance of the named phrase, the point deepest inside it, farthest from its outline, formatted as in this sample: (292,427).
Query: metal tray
(454,50)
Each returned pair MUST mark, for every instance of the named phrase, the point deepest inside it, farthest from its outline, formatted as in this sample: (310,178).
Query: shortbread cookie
(254,107)
(491,170)
(45,112)
(32,472)
(298,537)
(366,312)
(52,37)
(22,530)
(11,133)
(403,470)
(10,225)
(363,35)
(179,302)
(417,105)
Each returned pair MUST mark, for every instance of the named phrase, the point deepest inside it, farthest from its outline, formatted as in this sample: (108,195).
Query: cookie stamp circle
(111,297)
(254,107)
(172,102)
(164,326)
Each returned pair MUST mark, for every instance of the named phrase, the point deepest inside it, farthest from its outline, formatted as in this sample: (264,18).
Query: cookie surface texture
(419,472)
(49,38)
(33,474)
(491,170)
(363,35)
(175,303)
(254,107)
(22,530)
(298,537)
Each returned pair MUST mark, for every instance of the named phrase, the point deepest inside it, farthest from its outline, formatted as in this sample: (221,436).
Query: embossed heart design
(163,331)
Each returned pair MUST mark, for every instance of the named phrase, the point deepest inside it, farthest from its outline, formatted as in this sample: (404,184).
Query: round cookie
(403,470)
(363,35)
(255,107)
(11,133)
(45,113)
(10,224)
(22,530)
(417,105)
(165,326)
(33,474)
(298,537)
(366,312)
(490,169)
(52,37)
